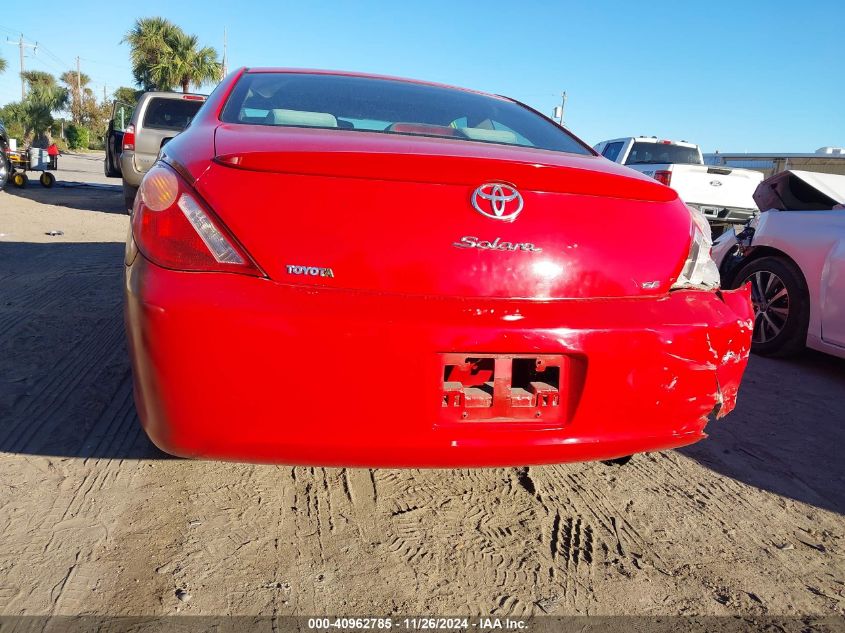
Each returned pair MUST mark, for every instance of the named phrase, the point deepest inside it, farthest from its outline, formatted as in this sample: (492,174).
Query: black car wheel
(129,193)
(4,173)
(109,165)
(781,305)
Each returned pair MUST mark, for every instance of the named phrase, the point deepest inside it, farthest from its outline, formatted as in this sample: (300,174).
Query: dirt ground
(95,520)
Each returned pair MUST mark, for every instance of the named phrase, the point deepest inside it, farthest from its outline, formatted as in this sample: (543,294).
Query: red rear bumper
(234,367)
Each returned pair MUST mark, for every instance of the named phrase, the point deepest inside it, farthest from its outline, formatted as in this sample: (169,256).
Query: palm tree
(164,56)
(184,63)
(38,78)
(2,65)
(147,41)
(43,98)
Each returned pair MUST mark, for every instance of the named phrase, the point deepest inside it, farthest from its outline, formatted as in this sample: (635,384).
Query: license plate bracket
(503,387)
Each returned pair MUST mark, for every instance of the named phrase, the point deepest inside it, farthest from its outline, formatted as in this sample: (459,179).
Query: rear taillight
(663,176)
(175,229)
(129,138)
(700,271)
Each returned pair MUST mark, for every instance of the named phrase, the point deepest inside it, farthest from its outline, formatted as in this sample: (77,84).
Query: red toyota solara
(341,269)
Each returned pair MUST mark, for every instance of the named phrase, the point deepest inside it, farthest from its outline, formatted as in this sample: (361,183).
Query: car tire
(781,305)
(619,461)
(129,193)
(5,170)
(109,166)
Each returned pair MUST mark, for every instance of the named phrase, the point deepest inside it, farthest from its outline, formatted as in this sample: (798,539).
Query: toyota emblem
(497,201)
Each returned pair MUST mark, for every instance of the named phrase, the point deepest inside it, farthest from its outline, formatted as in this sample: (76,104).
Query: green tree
(147,41)
(44,96)
(77,90)
(185,63)
(129,96)
(163,56)
(14,118)
(2,65)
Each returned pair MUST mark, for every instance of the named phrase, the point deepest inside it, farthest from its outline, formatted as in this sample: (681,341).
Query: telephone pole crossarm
(22,45)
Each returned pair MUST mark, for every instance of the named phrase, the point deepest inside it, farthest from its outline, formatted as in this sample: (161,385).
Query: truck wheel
(781,305)
(129,193)
(47,179)
(20,179)
(4,173)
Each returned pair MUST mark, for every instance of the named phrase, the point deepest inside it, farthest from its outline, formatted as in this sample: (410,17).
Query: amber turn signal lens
(159,189)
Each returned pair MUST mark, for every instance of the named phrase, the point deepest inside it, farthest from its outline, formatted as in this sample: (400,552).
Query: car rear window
(646,153)
(349,104)
(170,114)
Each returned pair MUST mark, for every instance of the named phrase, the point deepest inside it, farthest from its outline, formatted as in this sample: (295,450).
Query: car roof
(347,73)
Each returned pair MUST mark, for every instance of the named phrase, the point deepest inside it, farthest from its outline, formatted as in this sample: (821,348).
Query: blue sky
(733,76)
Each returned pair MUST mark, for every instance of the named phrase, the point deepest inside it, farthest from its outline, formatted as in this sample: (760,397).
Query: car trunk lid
(385,213)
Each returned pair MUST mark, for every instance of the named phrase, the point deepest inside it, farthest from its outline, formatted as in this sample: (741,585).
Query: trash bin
(38,159)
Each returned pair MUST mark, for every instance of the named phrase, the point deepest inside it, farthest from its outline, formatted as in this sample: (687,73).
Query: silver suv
(158,117)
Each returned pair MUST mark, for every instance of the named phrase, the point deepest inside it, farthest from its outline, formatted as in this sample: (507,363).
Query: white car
(793,254)
(724,195)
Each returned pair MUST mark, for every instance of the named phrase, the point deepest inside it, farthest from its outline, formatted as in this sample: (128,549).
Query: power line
(23,45)
(55,63)
(101,63)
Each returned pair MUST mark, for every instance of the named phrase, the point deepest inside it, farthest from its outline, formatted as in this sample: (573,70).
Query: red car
(343,269)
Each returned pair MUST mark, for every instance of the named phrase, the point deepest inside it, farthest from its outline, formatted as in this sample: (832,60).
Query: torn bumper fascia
(731,352)
(721,351)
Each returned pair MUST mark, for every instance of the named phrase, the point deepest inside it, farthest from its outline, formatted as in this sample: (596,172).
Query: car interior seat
(300,118)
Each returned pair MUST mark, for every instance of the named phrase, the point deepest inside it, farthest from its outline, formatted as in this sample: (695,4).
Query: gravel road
(95,520)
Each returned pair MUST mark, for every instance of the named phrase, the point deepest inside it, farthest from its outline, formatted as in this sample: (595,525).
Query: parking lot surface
(94,519)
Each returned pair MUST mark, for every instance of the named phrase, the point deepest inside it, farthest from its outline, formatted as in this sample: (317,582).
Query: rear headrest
(300,117)
(493,136)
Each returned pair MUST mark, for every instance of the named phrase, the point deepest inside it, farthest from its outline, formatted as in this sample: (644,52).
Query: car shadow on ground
(787,433)
(65,382)
(104,198)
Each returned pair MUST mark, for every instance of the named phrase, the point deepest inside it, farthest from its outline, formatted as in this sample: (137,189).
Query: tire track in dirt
(712,498)
(473,529)
(47,406)
(65,523)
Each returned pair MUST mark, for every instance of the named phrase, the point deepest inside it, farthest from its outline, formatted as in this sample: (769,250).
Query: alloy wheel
(770,299)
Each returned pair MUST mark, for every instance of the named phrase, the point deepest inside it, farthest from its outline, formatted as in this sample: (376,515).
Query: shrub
(97,142)
(77,136)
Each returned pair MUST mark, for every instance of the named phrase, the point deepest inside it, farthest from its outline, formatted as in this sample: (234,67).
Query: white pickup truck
(722,194)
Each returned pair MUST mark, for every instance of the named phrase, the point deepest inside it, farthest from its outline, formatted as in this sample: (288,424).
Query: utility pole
(225,60)
(21,44)
(562,106)
(78,92)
